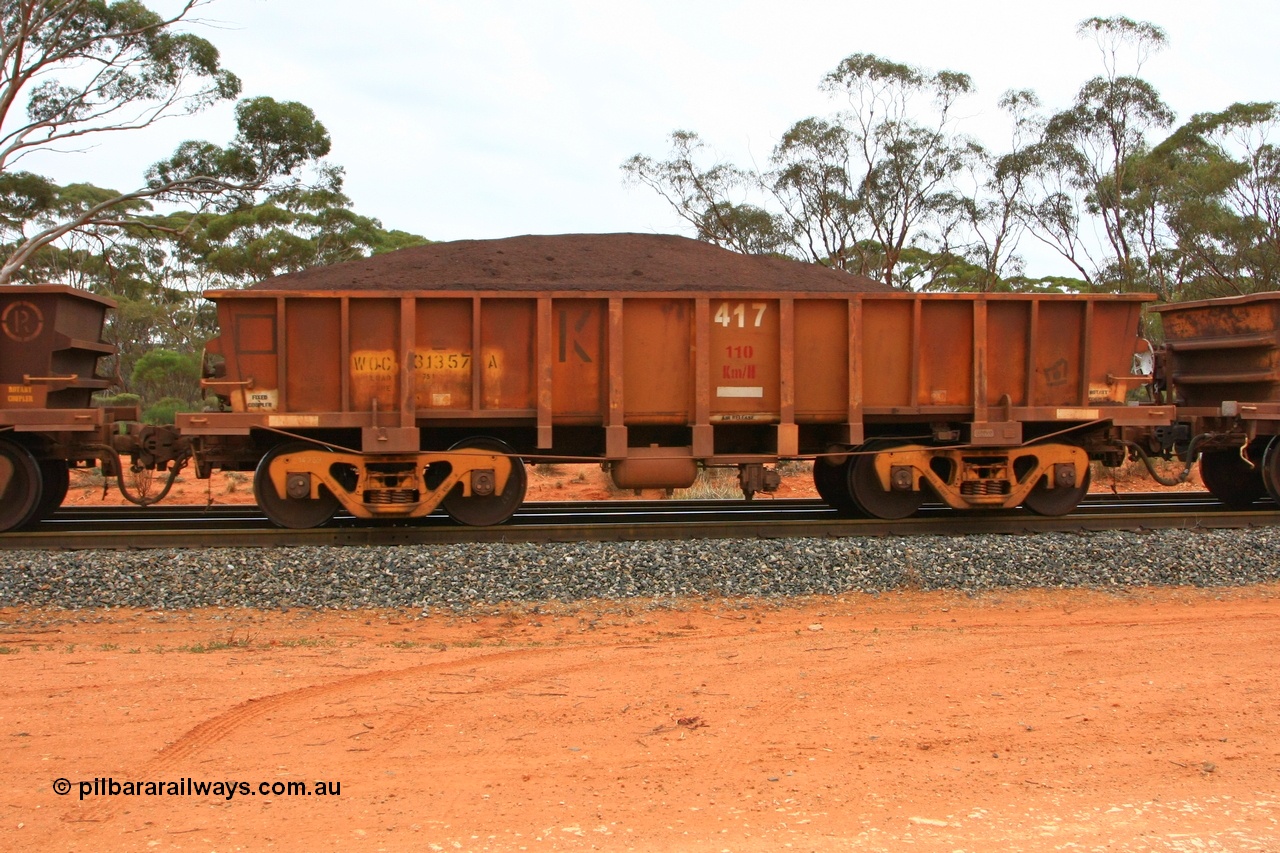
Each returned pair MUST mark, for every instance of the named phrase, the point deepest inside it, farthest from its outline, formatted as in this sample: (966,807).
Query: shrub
(107,401)
(163,410)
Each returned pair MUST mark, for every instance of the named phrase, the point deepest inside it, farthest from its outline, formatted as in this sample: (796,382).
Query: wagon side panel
(744,361)
(579,360)
(821,361)
(444,357)
(313,330)
(1113,341)
(50,343)
(1057,356)
(944,353)
(248,343)
(374,362)
(508,355)
(1008,347)
(887,346)
(1224,350)
(657,359)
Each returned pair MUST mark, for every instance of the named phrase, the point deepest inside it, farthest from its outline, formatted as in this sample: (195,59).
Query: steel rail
(84,528)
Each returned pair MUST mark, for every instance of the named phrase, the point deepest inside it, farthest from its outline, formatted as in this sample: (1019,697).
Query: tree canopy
(889,185)
(72,70)
(206,215)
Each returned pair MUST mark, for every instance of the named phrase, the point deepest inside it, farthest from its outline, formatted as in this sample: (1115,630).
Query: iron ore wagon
(50,343)
(1221,366)
(393,385)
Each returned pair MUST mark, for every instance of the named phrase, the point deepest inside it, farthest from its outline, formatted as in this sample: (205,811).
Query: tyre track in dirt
(223,725)
(226,724)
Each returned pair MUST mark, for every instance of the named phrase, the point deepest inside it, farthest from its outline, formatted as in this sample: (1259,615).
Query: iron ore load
(396,384)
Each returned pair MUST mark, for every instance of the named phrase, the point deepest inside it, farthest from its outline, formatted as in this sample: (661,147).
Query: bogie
(301,484)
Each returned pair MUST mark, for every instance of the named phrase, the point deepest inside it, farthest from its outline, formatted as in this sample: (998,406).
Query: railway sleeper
(300,485)
(1046,478)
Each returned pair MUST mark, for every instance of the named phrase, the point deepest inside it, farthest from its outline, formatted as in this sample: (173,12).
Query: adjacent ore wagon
(393,385)
(50,343)
(1221,366)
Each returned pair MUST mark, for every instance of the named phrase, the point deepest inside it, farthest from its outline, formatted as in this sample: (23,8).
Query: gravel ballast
(461,577)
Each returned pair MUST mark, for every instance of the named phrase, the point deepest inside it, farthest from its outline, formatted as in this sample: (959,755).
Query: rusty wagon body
(391,395)
(50,343)
(1221,367)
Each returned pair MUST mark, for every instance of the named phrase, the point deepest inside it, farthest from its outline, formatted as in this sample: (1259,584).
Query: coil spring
(984,487)
(391,496)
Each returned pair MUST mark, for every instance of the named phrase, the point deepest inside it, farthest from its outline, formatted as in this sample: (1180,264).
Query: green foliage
(1086,175)
(709,198)
(273,139)
(1215,183)
(1047,284)
(24,195)
(108,401)
(144,70)
(206,216)
(164,410)
(852,191)
(161,375)
(383,241)
(878,178)
(889,188)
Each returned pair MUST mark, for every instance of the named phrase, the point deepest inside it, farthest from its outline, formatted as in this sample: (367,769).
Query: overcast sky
(474,119)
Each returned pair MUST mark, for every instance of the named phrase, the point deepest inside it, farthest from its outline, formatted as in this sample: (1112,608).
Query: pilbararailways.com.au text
(105,786)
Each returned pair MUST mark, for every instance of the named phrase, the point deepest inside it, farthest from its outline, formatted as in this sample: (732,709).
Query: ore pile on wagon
(427,378)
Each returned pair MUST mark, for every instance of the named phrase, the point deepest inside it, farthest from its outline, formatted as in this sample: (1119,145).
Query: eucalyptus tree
(853,191)
(173,259)
(713,198)
(72,71)
(994,204)
(1088,161)
(902,155)
(1218,179)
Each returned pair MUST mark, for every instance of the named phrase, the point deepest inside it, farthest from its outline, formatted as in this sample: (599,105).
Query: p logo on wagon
(22,321)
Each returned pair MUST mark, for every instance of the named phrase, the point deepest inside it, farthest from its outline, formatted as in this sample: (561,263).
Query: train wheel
(483,511)
(294,513)
(20,498)
(1230,479)
(831,479)
(1271,469)
(55,480)
(871,497)
(1043,500)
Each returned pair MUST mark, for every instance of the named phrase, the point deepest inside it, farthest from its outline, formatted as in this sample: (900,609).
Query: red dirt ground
(1032,721)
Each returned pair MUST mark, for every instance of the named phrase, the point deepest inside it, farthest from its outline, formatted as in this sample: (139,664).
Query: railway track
(78,528)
